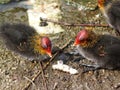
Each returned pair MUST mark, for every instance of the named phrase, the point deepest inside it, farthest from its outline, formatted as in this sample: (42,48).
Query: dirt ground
(18,73)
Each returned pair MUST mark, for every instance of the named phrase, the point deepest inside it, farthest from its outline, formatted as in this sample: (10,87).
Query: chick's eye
(46,43)
(44,46)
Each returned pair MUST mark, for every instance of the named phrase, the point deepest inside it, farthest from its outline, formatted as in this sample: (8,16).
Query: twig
(72,24)
(39,72)
(44,80)
(30,81)
(55,85)
(33,79)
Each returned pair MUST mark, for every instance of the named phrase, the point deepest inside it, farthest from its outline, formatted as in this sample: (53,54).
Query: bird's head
(81,37)
(85,38)
(103,3)
(46,46)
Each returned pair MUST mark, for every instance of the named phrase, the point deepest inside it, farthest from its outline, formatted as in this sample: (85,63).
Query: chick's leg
(90,67)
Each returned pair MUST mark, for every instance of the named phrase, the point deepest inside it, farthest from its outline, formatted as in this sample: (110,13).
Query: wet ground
(16,72)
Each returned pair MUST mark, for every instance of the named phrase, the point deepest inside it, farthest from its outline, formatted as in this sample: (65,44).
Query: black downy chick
(103,50)
(111,11)
(25,41)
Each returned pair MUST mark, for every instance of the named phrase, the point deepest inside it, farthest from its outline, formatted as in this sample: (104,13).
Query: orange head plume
(101,3)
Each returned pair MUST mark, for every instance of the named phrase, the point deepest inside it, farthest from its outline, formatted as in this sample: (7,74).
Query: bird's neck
(35,43)
(104,11)
(91,42)
(104,6)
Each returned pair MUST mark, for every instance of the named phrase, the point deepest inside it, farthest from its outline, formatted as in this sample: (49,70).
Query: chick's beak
(49,53)
(75,43)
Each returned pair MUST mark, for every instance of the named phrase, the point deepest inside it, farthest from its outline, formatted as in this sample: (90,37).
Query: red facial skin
(101,3)
(81,37)
(46,45)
